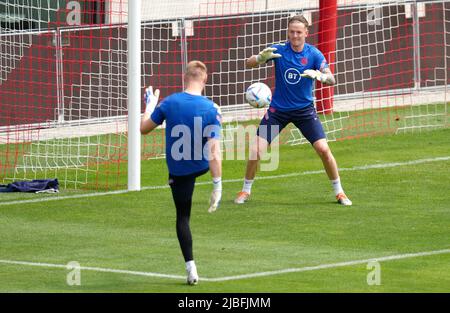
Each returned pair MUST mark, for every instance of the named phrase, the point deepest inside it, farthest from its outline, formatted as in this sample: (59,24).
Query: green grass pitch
(291,222)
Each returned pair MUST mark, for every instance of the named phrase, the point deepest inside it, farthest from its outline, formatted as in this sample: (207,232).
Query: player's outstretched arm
(262,57)
(215,167)
(151,100)
(325,76)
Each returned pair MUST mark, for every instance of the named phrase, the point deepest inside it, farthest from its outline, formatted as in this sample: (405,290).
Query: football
(258,95)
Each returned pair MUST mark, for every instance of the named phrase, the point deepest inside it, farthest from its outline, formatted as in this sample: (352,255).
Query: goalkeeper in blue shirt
(193,125)
(297,66)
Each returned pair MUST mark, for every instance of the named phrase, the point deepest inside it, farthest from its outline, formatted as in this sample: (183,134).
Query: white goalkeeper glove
(266,55)
(216,194)
(315,74)
(151,99)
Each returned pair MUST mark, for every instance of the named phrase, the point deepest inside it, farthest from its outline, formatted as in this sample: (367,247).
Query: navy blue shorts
(305,119)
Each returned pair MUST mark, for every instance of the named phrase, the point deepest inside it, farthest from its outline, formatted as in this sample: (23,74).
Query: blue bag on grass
(36,186)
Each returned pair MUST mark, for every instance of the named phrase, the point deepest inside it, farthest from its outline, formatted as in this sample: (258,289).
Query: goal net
(63,79)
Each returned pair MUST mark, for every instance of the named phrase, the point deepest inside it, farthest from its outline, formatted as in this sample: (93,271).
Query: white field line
(355,168)
(95,269)
(237,277)
(331,265)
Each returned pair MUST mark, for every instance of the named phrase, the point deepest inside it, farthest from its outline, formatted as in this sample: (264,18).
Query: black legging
(182,190)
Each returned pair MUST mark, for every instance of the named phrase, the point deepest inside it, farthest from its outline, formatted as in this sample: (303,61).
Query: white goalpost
(134,95)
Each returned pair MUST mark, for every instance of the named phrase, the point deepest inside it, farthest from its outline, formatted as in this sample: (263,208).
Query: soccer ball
(258,95)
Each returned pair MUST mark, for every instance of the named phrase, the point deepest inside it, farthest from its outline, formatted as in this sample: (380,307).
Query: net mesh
(63,79)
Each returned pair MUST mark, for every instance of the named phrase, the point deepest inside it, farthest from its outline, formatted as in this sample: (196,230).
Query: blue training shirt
(190,121)
(291,90)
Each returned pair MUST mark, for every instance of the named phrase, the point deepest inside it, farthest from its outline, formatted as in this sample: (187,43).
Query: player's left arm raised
(151,100)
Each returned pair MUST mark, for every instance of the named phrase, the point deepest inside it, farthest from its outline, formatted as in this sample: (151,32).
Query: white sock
(337,187)
(217,183)
(247,185)
(190,265)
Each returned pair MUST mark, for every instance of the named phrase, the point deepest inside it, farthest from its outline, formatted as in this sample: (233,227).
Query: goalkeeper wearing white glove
(324,77)
(182,109)
(293,102)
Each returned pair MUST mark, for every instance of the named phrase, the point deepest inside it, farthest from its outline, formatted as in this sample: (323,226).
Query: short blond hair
(195,70)
(298,18)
